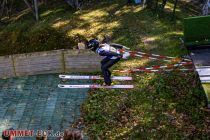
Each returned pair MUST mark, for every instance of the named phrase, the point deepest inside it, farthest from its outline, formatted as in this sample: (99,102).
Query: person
(111,55)
(5,137)
(42,137)
(72,135)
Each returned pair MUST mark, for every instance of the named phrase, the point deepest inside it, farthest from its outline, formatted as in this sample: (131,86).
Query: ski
(205,79)
(94,77)
(203,71)
(97,86)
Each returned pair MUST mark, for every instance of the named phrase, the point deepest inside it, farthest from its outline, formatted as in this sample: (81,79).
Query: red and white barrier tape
(154,56)
(150,71)
(155,68)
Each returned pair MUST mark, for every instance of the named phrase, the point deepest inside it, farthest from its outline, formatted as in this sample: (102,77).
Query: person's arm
(118,46)
(110,54)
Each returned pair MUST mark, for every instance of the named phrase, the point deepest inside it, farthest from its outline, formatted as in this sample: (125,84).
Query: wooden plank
(6,67)
(81,61)
(58,61)
(38,63)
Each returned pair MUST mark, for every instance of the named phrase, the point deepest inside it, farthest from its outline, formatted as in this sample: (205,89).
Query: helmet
(93,44)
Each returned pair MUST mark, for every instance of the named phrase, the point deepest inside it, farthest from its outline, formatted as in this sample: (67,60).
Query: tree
(7,6)
(205,8)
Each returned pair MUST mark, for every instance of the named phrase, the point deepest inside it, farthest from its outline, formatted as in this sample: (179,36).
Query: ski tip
(61,86)
(62,76)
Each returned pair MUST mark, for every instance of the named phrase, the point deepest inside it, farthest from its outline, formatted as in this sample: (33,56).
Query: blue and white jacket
(110,50)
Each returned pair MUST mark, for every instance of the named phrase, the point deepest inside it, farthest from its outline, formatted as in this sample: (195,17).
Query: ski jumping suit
(112,56)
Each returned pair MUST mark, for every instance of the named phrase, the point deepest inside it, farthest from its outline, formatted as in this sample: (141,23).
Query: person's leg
(109,73)
(103,61)
(105,70)
(110,63)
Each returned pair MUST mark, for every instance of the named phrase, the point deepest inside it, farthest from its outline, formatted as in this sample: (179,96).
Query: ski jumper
(111,55)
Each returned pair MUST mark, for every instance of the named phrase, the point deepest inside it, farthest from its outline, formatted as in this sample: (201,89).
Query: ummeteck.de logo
(31,133)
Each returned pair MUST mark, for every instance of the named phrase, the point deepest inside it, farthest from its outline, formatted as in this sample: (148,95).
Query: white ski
(203,71)
(205,79)
(94,77)
(96,86)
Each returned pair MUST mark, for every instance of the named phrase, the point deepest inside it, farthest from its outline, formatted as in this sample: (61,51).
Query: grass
(162,106)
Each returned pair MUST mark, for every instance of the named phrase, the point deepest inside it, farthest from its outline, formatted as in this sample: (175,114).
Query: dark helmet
(93,44)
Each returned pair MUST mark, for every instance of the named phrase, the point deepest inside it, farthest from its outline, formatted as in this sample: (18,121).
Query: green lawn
(161,106)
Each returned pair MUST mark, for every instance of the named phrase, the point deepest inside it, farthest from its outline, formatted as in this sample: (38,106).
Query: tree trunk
(74,3)
(2,7)
(149,3)
(29,6)
(10,8)
(174,10)
(36,10)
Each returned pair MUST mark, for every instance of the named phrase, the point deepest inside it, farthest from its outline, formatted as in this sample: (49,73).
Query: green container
(197,30)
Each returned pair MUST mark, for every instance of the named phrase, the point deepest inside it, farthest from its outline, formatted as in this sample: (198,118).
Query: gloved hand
(81,46)
(126,55)
(124,47)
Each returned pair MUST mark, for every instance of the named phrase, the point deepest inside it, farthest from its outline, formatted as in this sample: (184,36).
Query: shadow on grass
(175,108)
(162,106)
